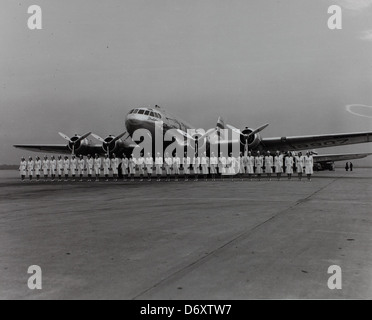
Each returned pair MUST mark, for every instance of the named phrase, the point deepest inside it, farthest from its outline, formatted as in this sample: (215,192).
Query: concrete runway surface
(194,240)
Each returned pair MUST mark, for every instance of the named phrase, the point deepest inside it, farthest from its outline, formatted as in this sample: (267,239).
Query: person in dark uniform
(351,166)
(347,166)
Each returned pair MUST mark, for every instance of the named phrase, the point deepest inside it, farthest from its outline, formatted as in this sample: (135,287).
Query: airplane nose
(132,123)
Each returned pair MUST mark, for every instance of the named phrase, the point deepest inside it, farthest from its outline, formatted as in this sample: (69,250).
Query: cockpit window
(152,114)
(147,113)
(141,112)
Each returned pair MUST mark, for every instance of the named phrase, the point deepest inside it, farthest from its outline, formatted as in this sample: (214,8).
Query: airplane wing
(315,141)
(59,148)
(339,157)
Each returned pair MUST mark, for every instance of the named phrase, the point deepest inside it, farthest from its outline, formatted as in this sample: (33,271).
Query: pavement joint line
(239,237)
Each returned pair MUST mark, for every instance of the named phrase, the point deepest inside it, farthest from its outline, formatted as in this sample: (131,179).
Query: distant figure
(347,166)
(289,165)
(81,167)
(149,165)
(90,166)
(259,163)
(250,165)
(97,167)
(53,167)
(300,163)
(309,164)
(196,166)
(73,167)
(115,167)
(176,163)
(222,165)
(66,167)
(159,166)
(124,167)
(38,166)
(141,165)
(46,167)
(59,168)
(186,163)
(168,163)
(132,167)
(213,165)
(106,167)
(23,168)
(351,166)
(269,164)
(278,163)
(30,168)
(204,161)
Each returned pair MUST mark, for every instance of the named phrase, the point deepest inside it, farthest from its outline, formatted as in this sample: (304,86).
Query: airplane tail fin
(220,127)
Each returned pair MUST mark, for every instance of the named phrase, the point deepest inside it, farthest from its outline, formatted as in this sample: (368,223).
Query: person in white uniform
(168,165)
(309,165)
(23,168)
(38,166)
(258,163)
(213,165)
(289,165)
(159,166)
(300,163)
(30,168)
(81,167)
(141,166)
(149,165)
(115,167)
(278,163)
(132,167)
(73,167)
(204,162)
(125,167)
(90,167)
(106,167)
(176,163)
(186,164)
(269,163)
(241,161)
(46,167)
(250,165)
(66,167)
(97,166)
(196,166)
(230,164)
(222,161)
(53,167)
(59,168)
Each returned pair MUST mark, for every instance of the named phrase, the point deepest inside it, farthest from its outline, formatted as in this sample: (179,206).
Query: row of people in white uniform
(170,164)
(64,167)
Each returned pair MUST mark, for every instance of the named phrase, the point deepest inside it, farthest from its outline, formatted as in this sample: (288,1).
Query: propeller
(259,129)
(107,144)
(74,140)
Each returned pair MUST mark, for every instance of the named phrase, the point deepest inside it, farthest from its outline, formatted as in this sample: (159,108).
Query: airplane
(249,139)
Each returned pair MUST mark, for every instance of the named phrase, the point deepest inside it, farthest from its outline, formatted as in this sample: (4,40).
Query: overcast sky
(251,62)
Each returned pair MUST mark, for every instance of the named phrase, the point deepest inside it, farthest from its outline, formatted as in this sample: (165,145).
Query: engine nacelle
(197,135)
(253,141)
(115,147)
(80,146)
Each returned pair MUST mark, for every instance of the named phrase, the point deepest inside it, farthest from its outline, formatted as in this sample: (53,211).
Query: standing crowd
(149,167)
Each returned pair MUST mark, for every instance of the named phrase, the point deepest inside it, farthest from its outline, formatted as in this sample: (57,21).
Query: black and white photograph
(185,155)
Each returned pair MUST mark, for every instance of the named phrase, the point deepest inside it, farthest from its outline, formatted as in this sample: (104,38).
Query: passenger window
(147,113)
(141,112)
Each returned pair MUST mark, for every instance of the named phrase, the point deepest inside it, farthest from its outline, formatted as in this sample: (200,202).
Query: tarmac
(187,240)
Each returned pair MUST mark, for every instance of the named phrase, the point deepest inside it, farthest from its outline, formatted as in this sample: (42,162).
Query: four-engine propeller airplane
(249,139)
